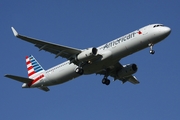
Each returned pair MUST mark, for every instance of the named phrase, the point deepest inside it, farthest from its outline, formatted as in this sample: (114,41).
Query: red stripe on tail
(31,73)
(28,62)
(35,80)
(29,68)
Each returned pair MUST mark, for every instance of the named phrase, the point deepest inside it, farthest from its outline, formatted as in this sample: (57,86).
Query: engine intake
(127,70)
(87,54)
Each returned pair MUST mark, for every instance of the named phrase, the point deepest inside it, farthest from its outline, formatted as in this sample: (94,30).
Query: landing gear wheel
(105,81)
(152,52)
(79,71)
(151,48)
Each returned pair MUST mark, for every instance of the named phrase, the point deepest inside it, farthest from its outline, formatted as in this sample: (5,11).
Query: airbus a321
(103,60)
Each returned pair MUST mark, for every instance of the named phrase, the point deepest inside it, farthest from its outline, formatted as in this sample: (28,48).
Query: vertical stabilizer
(33,67)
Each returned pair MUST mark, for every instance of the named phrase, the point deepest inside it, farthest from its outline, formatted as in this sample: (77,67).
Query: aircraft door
(144,31)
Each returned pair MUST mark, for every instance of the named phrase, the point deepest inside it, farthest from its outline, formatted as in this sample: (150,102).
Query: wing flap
(18,78)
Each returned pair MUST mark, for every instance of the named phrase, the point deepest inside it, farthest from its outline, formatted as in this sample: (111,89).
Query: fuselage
(111,53)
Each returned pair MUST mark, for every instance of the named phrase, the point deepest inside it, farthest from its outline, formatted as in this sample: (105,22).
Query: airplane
(103,60)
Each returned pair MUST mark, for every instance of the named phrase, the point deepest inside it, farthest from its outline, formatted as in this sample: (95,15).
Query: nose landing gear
(151,48)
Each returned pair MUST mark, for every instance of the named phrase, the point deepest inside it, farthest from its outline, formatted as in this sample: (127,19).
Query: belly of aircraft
(99,65)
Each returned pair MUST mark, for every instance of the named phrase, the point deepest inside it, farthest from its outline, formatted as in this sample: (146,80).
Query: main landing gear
(151,48)
(105,81)
(79,70)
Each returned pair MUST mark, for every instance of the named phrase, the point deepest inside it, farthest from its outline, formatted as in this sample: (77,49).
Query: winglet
(14,32)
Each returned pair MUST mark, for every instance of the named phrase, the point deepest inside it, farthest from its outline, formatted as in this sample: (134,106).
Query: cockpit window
(157,25)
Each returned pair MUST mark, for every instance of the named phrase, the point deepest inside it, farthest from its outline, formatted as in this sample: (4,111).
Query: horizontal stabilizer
(44,88)
(18,78)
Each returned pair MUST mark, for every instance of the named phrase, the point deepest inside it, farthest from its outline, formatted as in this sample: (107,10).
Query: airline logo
(33,66)
(119,40)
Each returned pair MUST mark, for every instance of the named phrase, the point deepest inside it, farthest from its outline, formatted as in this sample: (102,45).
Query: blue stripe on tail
(36,66)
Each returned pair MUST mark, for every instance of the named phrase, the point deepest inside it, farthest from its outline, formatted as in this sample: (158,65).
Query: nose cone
(167,30)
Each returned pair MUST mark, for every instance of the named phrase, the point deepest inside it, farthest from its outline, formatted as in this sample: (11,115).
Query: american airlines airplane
(103,60)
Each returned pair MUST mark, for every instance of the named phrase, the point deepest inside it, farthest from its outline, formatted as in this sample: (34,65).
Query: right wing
(58,50)
(113,73)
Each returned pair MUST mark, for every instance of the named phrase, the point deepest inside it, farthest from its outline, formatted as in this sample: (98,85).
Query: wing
(58,50)
(112,71)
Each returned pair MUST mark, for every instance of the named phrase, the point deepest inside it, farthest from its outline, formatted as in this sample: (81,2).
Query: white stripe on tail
(33,67)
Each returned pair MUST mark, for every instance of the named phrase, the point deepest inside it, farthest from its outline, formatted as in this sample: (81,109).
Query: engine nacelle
(127,70)
(86,55)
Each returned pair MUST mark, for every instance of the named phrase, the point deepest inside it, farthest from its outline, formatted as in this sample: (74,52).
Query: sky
(83,24)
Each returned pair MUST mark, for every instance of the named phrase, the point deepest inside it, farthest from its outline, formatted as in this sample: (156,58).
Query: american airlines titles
(119,40)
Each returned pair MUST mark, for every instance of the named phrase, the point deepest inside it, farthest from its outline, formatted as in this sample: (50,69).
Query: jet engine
(86,54)
(127,70)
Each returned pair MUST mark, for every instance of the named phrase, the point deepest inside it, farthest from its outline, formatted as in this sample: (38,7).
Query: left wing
(112,71)
(58,50)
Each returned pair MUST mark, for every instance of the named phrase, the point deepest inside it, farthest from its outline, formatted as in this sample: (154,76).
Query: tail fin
(33,67)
